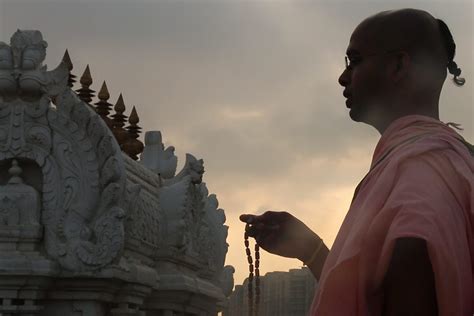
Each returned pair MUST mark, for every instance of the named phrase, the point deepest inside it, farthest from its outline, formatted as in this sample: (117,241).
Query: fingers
(247,218)
(260,229)
(275,217)
(270,217)
(266,228)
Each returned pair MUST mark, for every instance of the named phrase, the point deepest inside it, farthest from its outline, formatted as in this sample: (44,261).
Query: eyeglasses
(355,60)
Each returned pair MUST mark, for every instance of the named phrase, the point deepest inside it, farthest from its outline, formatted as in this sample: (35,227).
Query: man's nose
(344,78)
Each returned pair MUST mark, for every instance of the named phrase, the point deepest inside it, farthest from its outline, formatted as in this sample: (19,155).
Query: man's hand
(282,234)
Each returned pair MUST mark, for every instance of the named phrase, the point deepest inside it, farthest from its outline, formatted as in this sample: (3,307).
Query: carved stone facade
(86,230)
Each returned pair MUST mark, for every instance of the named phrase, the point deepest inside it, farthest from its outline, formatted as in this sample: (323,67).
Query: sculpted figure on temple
(29,49)
(22,73)
(19,203)
(158,159)
(193,169)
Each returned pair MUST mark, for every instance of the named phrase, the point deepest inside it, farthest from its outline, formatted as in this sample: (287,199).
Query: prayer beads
(253,308)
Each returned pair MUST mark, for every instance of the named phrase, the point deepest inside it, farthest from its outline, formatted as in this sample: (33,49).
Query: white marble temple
(85,230)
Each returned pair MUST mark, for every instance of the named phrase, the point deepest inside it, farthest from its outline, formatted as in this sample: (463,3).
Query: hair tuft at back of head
(450,47)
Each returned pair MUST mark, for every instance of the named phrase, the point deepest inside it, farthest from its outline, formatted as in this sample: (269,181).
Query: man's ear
(400,67)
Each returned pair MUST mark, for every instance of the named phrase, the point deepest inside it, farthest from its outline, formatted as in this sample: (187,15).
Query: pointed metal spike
(86,78)
(120,105)
(104,92)
(133,119)
(67,60)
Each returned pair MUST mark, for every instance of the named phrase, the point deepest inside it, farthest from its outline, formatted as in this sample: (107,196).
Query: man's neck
(382,124)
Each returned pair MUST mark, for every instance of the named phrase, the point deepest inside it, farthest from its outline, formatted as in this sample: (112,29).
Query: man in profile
(406,246)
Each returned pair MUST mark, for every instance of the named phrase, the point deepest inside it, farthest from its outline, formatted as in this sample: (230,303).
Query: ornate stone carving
(19,203)
(144,219)
(227,280)
(173,200)
(72,204)
(82,167)
(193,169)
(138,173)
(21,72)
(92,170)
(192,221)
(214,217)
(158,159)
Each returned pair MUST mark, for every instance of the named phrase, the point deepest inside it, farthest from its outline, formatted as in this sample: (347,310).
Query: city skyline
(248,86)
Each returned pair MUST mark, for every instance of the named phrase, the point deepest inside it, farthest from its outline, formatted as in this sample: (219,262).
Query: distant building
(282,294)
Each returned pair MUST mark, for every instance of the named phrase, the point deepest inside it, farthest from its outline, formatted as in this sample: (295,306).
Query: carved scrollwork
(108,235)
(83,174)
(212,235)
(111,171)
(94,179)
(144,220)
(39,135)
(38,109)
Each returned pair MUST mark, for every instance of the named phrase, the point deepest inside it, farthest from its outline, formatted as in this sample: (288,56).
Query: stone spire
(133,147)
(70,66)
(118,122)
(85,93)
(103,107)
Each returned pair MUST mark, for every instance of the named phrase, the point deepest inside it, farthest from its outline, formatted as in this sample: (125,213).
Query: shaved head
(398,65)
(414,31)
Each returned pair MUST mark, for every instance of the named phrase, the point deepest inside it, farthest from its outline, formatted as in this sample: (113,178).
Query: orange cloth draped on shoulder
(421,185)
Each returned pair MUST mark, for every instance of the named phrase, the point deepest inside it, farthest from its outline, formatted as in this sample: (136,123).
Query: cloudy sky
(249,86)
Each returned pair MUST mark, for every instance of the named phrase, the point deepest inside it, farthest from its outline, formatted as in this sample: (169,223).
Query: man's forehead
(363,39)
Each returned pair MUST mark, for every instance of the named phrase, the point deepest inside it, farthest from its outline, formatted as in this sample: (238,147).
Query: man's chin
(354,115)
(357,115)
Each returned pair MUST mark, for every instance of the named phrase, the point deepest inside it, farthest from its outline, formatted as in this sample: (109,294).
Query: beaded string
(251,274)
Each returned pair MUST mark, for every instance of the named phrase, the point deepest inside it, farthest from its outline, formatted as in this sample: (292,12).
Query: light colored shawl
(420,184)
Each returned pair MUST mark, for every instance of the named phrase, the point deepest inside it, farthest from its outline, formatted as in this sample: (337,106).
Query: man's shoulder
(435,150)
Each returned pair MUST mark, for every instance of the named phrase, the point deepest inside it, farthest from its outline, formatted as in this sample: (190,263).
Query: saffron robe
(421,185)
